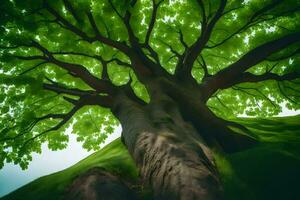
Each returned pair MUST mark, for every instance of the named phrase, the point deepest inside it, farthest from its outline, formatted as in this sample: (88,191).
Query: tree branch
(32,68)
(106,40)
(93,23)
(143,66)
(70,100)
(77,70)
(65,118)
(155,7)
(204,18)
(146,43)
(30,57)
(254,89)
(67,24)
(118,45)
(126,20)
(71,9)
(98,57)
(285,95)
(200,43)
(251,78)
(71,91)
(84,100)
(182,39)
(204,67)
(297,51)
(170,48)
(228,76)
(253,20)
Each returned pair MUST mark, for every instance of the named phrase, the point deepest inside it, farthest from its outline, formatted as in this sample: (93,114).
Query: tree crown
(63,61)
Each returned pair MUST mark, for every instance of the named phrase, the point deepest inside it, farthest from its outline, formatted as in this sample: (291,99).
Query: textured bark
(214,130)
(170,140)
(98,184)
(172,157)
(175,170)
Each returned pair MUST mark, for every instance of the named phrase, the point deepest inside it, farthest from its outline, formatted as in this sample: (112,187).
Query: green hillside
(113,157)
(270,171)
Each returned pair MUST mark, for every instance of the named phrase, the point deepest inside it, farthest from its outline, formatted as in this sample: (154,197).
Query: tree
(172,73)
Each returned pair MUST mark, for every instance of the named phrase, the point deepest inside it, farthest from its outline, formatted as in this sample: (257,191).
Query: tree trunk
(172,157)
(98,184)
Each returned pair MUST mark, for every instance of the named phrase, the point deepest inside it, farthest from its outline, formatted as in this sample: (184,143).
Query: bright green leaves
(243,29)
(173,17)
(92,125)
(23,100)
(107,19)
(57,140)
(261,99)
(140,18)
(119,75)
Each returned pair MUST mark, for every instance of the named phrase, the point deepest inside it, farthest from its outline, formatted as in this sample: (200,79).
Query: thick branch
(212,128)
(77,70)
(227,77)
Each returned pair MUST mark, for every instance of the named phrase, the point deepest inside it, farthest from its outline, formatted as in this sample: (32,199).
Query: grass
(114,157)
(269,171)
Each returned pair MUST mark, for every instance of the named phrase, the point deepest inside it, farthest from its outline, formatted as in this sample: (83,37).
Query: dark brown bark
(99,184)
(214,130)
(172,157)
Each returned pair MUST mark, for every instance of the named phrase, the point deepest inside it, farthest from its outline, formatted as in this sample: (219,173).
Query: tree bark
(172,157)
(99,184)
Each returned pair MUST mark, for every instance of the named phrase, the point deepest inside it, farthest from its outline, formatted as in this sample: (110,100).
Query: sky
(13,177)
(48,162)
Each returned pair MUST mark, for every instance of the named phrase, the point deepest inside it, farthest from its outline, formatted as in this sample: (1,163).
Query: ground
(269,171)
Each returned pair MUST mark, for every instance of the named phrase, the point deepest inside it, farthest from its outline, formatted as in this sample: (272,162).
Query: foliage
(54,53)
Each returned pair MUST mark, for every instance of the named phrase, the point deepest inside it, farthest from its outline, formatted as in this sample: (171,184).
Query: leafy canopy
(56,55)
